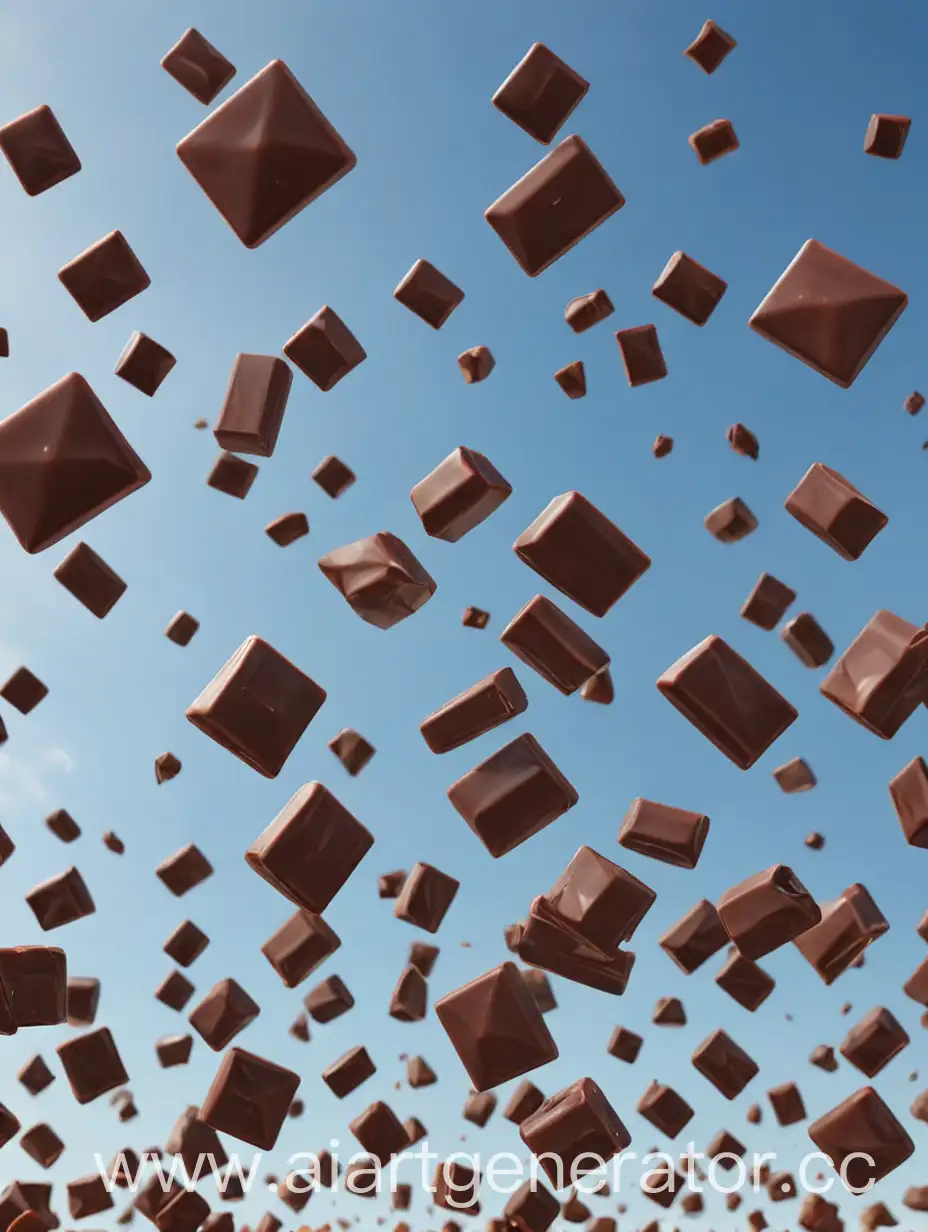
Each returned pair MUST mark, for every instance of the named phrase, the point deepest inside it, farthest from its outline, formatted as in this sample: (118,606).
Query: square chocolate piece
(35,1076)
(598,901)
(586,311)
(380,578)
(380,1132)
(512,795)
(325,349)
(728,1067)
(828,312)
(581,553)
(576,1125)
(540,93)
(641,354)
(232,475)
(727,700)
(808,640)
(545,638)
(196,64)
(766,911)
(916,986)
(265,154)
(9,1126)
(881,677)
(63,826)
(299,946)
(689,288)
(352,750)
(875,1041)
(61,900)
(429,294)
(787,1103)
(24,690)
(459,494)
(144,363)
(65,461)
(333,476)
(426,897)
(258,706)
(186,943)
(409,999)
(184,870)
(42,1144)
(835,512)
(249,1098)
(38,151)
(909,794)
(554,206)
(848,926)
(525,1099)
(33,983)
(92,1064)
(174,991)
(475,618)
(349,1072)
(90,580)
(745,982)
(768,602)
(863,1134)
(104,276)
(253,409)
(672,835)
(287,529)
(310,849)
(713,141)
(795,776)
(328,1000)
(476,364)
(731,521)
(224,1012)
(181,629)
(710,47)
(479,1108)
(663,1108)
(886,135)
(624,1045)
(695,938)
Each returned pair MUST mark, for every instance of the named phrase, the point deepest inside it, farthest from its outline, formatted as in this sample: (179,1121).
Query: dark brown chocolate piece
(63,826)
(454,1187)
(665,1109)
(916,986)
(104,276)
(544,637)
(598,901)
(88,1196)
(599,688)
(835,511)
(379,1132)
(828,312)
(478,1108)
(35,1076)
(475,618)
(574,1132)
(710,47)
(144,363)
(167,767)
(669,1012)
(512,795)
(265,154)
(823,1056)
(476,364)
(390,885)
(795,776)
(540,93)
(92,1064)
(186,943)
(554,206)
(725,1149)
(325,349)
(689,288)
(299,1029)
(847,927)
(7,846)
(380,578)
(181,629)
(914,403)
(731,521)
(42,1144)
(90,580)
(745,982)
(586,311)
(787,1104)
(258,706)
(767,603)
(352,750)
(224,1012)
(875,1041)
(671,835)
(24,691)
(727,700)
(33,981)
(909,794)
(299,946)
(915,1198)
(409,999)
(624,1045)
(426,897)
(875,1216)
(184,870)
(662,1186)
(543,941)
(886,134)
(481,708)
(766,911)
(663,446)
(253,408)
(808,640)
(496,1028)
(196,64)
(419,1073)
(881,677)
(862,1138)
(349,1072)
(714,140)
(328,1000)
(333,476)
(310,849)
(173,1050)
(743,441)
(38,151)
(531,1208)
(728,1067)
(233,476)
(524,1100)
(539,986)
(249,1098)
(641,354)
(695,938)
(429,294)
(572,379)
(422,956)
(174,991)
(459,494)
(581,553)
(60,900)
(781,1186)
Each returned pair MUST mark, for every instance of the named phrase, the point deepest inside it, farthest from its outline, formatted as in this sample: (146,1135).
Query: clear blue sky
(408,84)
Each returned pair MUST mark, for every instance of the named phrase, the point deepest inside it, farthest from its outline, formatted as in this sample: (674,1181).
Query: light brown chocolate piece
(572,379)
(882,676)
(713,141)
(484,706)
(835,511)
(459,494)
(545,638)
(642,356)
(731,521)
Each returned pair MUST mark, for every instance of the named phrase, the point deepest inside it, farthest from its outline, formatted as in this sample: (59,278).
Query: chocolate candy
(828,312)
(823,1056)
(545,638)
(426,897)
(787,1104)
(728,1067)
(532,1207)
(874,1042)
(454,1187)
(914,402)
(766,605)
(35,1076)
(624,1045)
(174,991)
(333,476)
(478,1108)
(689,288)
(167,767)
(380,578)
(419,1074)
(727,700)
(808,640)
(880,678)
(24,690)
(328,1000)
(181,629)
(184,870)
(390,885)
(665,1109)
(524,1100)
(379,1132)
(598,901)
(482,707)
(352,750)
(745,982)
(287,528)
(669,1012)
(299,1029)
(671,835)
(233,476)
(63,826)
(225,1011)
(743,441)
(539,986)
(730,521)
(641,354)
(835,512)
(65,431)
(253,408)
(90,580)
(725,1150)
(458,495)
(695,938)
(249,1098)
(916,986)
(349,1072)
(38,151)
(422,956)
(512,795)
(104,276)
(663,446)
(33,982)
(886,134)
(325,349)
(714,140)
(599,688)
(173,1050)
(795,776)
(265,154)
(496,1028)
(409,999)
(183,1212)
(258,706)
(7,846)
(581,553)
(554,206)
(710,47)
(862,1138)
(196,64)
(544,941)
(586,311)
(144,363)
(310,849)
(574,1132)
(60,900)
(475,618)
(92,1064)
(299,946)
(540,93)
(42,1144)
(662,1186)
(767,910)
(429,294)
(847,927)
(476,364)
(572,379)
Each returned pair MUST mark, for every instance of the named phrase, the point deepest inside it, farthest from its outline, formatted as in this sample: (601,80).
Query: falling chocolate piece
(265,154)
(479,709)
(598,901)
(572,379)
(862,1139)
(808,640)
(299,1029)
(875,1041)
(599,688)
(258,706)
(476,364)
(766,911)
(7,846)
(35,1076)
(63,826)
(880,678)
(554,206)
(249,1098)
(714,140)
(886,135)
(181,629)
(426,897)
(624,1045)
(24,690)
(478,1108)
(144,363)
(352,750)
(253,408)
(114,843)
(333,476)
(725,1150)
(662,1185)
(745,982)
(823,1056)
(173,1050)
(847,927)
(92,1065)
(544,637)
(60,900)
(422,956)
(196,64)
(174,991)
(710,47)
(641,354)
(814,841)
(90,580)
(787,1104)
(390,885)
(349,1072)
(671,835)
(104,276)
(743,441)
(42,1144)
(531,1208)
(420,1074)
(914,402)
(540,93)
(835,511)
(728,1067)
(731,521)
(689,288)
(233,476)
(184,870)
(380,578)
(586,311)
(575,1211)
(695,938)
(379,1132)
(524,1100)
(287,528)
(225,1011)
(663,1108)
(33,980)
(909,794)
(795,776)
(429,294)
(496,1028)
(459,494)
(475,618)
(767,603)
(916,986)
(328,1000)
(574,1132)
(325,349)
(409,999)
(38,151)
(663,445)
(817,1215)
(167,767)
(915,1198)
(539,986)
(781,1186)
(299,946)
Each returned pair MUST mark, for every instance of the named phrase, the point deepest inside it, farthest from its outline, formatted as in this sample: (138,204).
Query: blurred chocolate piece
(475,618)
(328,1000)
(333,476)
(167,767)
(352,750)
(671,835)
(299,1029)
(828,312)
(42,1144)
(575,1211)
(881,677)
(425,898)
(496,1028)
(455,1186)
(710,47)
(112,842)
(540,93)
(390,885)
(624,1045)
(349,1072)
(249,1098)
(325,349)
(808,640)
(24,691)
(380,578)
(745,982)
(184,870)
(196,64)
(574,1132)
(835,511)
(422,956)
(886,134)
(695,938)
(35,1076)
(725,1149)
(225,1011)
(572,379)
(823,1056)
(310,849)
(39,153)
(299,946)
(531,1208)
(33,981)
(847,927)
(379,1132)
(586,311)
(545,637)
(173,1050)
(689,288)
(265,154)
(104,276)
(862,1138)
(662,447)
(90,580)
(916,986)
(663,1108)
(598,901)
(233,476)
(7,846)
(458,495)
(641,355)
(60,900)
(258,706)
(524,1100)
(787,1104)
(875,1041)
(287,528)
(181,629)
(554,206)
(914,402)
(730,521)
(476,364)
(144,363)
(539,986)
(63,826)
(409,999)
(909,794)
(766,911)
(915,1198)
(714,140)
(662,1185)
(92,1064)
(767,603)
(429,294)
(728,1067)
(781,1186)
(599,688)
(481,708)
(669,1012)
(743,441)
(814,841)
(253,408)
(419,1073)
(512,795)
(478,1108)
(581,553)
(174,991)
(795,776)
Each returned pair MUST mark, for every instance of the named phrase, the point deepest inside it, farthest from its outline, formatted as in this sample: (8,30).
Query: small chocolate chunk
(249,1098)
(847,927)
(333,476)
(725,1149)
(572,379)
(671,835)
(531,1208)
(539,986)
(710,47)
(624,1045)
(524,1100)
(112,842)
(144,363)
(92,1064)
(419,1073)
(731,521)
(379,1132)
(915,1198)
(90,580)
(184,870)
(181,629)
(875,1216)
(835,511)
(299,946)
(233,476)
(186,943)
(481,708)
(823,1056)
(586,311)
(862,1138)
(7,846)
(540,93)
(429,294)
(476,364)
(575,1211)
(767,603)
(63,826)
(909,794)
(781,1186)
(599,688)
(641,354)
(743,441)
(24,691)
(669,1012)
(426,897)
(728,1067)
(914,402)
(422,956)
(60,900)
(766,911)
(916,986)
(886,134)
(183,1212)
(390,885)
(299,1029)
(174,991)
(662,1186)
(574,1132)
(349,1072)
(409,999)
(689,288)
(544,637)
(598,901)
(173,1050)
(167,767)
(475,618)
(325,349)
(695,938)
(874,1042)
(663,445)
(808,640)
(35,1076)
(665,1109)
(380,578)
(814,841)
(104,276)
(39,153)
(224,1012)
(459,494)
(42,1144)
(478,1108)
(795,776)
(455,1186)
(352,750)
(745,982)
(880,678)
(196,64)
(328,1000)
(287,529)
(787,1104)
(33,981)
(714,140)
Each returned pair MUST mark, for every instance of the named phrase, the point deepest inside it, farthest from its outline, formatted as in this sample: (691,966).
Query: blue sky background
(408,84)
